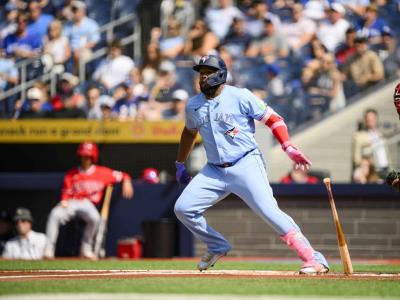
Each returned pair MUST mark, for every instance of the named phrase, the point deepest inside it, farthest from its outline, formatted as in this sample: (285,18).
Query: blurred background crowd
(70,59)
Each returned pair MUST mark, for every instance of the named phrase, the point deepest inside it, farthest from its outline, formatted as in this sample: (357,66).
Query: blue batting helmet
(214,62)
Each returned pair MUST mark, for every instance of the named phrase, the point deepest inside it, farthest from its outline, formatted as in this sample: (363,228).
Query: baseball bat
(102,231)
(344,251)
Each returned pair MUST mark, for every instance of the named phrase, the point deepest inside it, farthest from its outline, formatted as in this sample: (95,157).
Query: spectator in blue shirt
(371,26)
(22,44)
(38,22)
(9,24)
(82,33)
(8,78)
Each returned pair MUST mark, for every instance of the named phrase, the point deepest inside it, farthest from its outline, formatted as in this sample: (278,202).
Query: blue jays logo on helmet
(214,62)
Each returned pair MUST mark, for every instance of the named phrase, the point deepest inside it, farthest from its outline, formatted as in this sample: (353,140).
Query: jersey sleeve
(190,122)
(111,176)
(253,106)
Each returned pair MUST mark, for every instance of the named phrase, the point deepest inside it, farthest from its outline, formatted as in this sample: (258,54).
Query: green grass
(243,286)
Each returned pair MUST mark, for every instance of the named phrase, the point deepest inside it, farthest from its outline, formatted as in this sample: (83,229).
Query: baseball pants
(248,180)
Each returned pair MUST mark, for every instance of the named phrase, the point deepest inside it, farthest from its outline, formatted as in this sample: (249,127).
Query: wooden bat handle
(343,250)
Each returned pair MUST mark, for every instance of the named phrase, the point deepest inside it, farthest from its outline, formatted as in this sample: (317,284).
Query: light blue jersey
(226,123)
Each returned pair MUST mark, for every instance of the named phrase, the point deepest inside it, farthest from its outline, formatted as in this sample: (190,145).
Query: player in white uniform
(224,116)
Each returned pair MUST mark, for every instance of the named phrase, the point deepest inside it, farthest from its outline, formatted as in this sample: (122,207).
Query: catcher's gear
(214,62)
(396,98)
(88,149)
(393,179)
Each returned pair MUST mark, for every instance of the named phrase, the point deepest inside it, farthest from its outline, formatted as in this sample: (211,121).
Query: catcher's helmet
(88,149)
(215,62)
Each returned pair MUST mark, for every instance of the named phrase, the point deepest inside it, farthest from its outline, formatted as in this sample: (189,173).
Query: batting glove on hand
(298,157)
(182,175)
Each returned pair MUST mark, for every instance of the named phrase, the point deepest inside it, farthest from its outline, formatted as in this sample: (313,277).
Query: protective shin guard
(296,241)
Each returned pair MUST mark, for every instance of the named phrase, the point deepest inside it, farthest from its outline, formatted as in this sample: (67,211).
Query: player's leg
(205,190)
(89,213)
(59,215)
(256,191)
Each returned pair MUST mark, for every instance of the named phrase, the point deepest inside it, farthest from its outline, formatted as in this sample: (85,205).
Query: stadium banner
(76,131)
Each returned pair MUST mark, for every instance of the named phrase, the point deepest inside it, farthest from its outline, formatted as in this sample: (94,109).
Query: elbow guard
(277,125)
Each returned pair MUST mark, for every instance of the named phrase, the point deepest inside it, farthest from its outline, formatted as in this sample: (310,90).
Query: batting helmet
(88,149)
(396,98)
(214,62)
(150,175)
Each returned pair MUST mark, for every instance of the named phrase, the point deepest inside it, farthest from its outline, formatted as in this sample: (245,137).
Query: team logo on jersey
(232,132)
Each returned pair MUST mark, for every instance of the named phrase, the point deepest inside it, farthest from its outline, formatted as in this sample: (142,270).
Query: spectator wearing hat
(150,175)
(35,106)
(371,26)
(82,32)
(271,46)
(115,68)
(332,31)
(362,70)
(106,106)
(6,229)
(28,244)
(177,111)
(9,24)
(389,53)
(237,40)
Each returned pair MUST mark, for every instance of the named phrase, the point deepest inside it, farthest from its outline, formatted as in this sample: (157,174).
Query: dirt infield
(126,274)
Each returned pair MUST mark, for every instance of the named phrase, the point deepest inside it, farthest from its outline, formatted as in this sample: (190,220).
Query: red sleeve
(113,176)
(278,127)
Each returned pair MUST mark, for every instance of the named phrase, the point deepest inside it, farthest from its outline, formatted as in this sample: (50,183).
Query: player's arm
(186,143)
(67,190)
(125,178)
(280,131)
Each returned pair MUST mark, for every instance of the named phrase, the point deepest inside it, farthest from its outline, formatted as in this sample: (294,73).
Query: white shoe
(313,269)
(86,252)
(49,252)
(208,260)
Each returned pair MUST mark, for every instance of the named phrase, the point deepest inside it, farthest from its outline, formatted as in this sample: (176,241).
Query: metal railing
(50,76)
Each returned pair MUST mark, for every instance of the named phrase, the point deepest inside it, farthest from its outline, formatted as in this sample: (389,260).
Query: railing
(108,29)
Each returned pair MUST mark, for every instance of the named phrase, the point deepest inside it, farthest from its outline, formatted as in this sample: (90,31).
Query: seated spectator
(82,33)
(35,106)
(323,85)
(369,143)
(150,64)
(126,102)
(270,46)
(92,105)
(317,50)
(114,69)
(371,25)
(56,45)
(9,24)
(255,21)
(150,175)
(81,195)
(389,53)
(22,44)
(172,42)
(355,9)
(219,19)
(8,78)
(299,31)
(366,173)
(177,111)
(6,229)
(106,106)
(237,40)
(38,21)
(348,48)
(28,244)
(68,102)
(332,31)
(200,40)
(299,176)
(364,69)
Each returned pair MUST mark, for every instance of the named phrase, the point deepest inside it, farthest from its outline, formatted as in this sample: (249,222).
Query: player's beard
(208,91)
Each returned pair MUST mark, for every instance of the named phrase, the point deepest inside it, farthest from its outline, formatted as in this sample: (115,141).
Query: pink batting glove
(298,157)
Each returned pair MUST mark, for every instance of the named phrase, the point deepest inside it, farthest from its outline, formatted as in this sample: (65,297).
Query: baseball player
(81,196)
(224,116)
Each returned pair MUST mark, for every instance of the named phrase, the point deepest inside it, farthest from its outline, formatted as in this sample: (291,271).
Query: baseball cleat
(208,260)
(313,269)
(87,253)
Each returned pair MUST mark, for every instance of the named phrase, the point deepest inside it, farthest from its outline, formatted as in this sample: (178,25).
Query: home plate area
(97,274)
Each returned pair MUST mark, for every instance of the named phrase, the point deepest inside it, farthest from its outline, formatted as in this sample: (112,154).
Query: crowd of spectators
(303,57)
